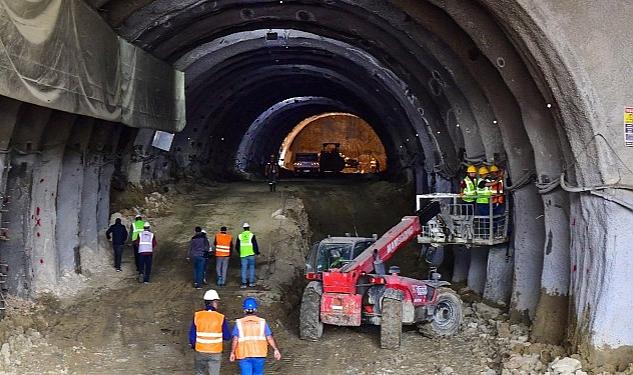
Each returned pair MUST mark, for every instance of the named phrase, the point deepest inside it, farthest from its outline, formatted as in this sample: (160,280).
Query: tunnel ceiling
(437,90)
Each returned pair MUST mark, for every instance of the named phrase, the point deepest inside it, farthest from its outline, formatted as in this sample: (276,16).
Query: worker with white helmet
(146,243)
(246,243)
(208,329)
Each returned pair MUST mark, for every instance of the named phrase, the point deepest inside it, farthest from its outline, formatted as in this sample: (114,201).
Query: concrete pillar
(550,323)
(25,146)
(462,261)
(601,264)
(142,144)
(477,269)
(43,198)
(499,275)
(528,253)
(69,197)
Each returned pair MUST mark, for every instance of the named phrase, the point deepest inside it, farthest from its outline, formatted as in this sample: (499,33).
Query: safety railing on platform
(463,223)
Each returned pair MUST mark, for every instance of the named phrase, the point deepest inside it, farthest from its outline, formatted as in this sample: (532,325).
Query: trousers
(208,363)
(248,267)
(118,252)
(145,263)
(252,366)
(199,264)
(137,262)
(221,266)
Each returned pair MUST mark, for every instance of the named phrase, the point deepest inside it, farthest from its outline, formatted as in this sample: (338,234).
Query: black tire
(391,324)
(448,315)
(310,325)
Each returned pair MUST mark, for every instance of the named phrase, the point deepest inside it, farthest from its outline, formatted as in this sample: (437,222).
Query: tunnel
(88,86)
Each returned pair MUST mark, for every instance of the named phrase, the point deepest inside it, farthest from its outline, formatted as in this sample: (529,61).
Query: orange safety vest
(498,193)
(208,331)
(251,341)
(222,244)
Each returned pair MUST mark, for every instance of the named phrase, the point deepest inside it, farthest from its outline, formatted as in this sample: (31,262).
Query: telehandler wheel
(391,323)
(448,315)
(310,325)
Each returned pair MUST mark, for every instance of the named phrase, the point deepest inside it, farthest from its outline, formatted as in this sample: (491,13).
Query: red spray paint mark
(37,211)
(38,234)
(42,180)
(41,261)
(574,268)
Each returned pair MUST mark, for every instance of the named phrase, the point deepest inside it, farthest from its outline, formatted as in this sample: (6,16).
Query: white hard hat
(146,225)
(204,231)
(211,295)
(246,225)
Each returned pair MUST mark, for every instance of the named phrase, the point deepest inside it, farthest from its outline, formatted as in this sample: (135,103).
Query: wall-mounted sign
(628,126)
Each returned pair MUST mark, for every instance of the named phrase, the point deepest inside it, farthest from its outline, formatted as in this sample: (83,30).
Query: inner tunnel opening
(332,142)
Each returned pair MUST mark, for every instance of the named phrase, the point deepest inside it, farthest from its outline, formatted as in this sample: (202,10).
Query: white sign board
(163,140)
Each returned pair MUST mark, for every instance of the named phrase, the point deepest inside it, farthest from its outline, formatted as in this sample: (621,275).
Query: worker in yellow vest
(222,245)
(484,183)
(208,329)
(469,187)
(135,229)
(251,337)
(246,244)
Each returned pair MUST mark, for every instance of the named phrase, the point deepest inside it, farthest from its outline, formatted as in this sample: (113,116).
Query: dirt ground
(123,327)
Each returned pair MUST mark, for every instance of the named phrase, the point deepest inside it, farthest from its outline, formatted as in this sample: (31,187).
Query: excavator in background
(348,286)
(330,159)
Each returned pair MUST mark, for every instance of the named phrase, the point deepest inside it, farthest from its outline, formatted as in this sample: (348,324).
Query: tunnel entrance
(306,147)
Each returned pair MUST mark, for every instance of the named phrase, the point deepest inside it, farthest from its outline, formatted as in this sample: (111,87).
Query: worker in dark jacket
(118,234)
(198,251)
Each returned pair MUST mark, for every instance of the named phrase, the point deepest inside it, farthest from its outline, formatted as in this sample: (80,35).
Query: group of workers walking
(250,338)
(482,187)
(200,252)
(143,245)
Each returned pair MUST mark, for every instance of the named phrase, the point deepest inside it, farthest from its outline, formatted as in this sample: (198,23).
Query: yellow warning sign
(628,126)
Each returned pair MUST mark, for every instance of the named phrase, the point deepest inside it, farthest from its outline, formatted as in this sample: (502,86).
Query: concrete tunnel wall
(414,69)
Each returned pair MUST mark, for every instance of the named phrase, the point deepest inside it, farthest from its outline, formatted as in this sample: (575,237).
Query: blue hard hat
(249,304)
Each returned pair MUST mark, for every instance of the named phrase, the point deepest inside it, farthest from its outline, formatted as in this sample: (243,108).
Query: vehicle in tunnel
(306,163)
(330,159)
(348,286)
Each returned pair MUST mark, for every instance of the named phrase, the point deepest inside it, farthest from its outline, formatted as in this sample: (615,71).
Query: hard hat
(494,168)
(146,225)
(249,304)
(138,217)
(203,231)
(211,295)
(471,169)
(246,225)
(483,170)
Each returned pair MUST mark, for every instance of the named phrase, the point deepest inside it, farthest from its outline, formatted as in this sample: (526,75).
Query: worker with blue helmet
(251,337)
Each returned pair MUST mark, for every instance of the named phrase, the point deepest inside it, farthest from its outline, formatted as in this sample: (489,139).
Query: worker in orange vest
(222,245)
(251,337)
(497,189)
(208,330)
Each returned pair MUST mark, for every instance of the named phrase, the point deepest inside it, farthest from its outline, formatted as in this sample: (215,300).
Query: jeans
(248,264)
(145,262)
(483,209)
(208,363)
(252,366)
(221,266)
(118,252)
(199,264)
(137,261)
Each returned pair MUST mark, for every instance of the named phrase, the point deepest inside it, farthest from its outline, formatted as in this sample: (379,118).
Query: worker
(135,229)
(272,172)
(118,234)
(468,187)
(336,261)
(251,337)
(246,243)
(373,165)
(484,182)
(223,245)
(208,329)
(497,190)
(146,243)
(198,252)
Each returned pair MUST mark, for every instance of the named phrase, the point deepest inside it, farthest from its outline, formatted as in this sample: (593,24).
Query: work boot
(140,277)
(251,285)
(243,286)
(118,270)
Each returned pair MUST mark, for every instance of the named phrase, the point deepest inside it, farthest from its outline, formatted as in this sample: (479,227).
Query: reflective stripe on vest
(246,244)
(208,331)
(137,228)
(251,341)
(146,243)
(483,194)
(470,193)
(222,244)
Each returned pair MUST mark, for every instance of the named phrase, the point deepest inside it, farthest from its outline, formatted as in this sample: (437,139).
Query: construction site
(435,186)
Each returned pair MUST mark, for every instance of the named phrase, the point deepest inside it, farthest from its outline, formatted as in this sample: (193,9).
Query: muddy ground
(118,326)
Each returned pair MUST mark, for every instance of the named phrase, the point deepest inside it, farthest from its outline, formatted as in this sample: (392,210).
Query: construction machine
(348,286)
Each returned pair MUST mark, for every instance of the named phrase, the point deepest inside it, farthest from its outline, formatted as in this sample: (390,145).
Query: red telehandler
(348,286)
